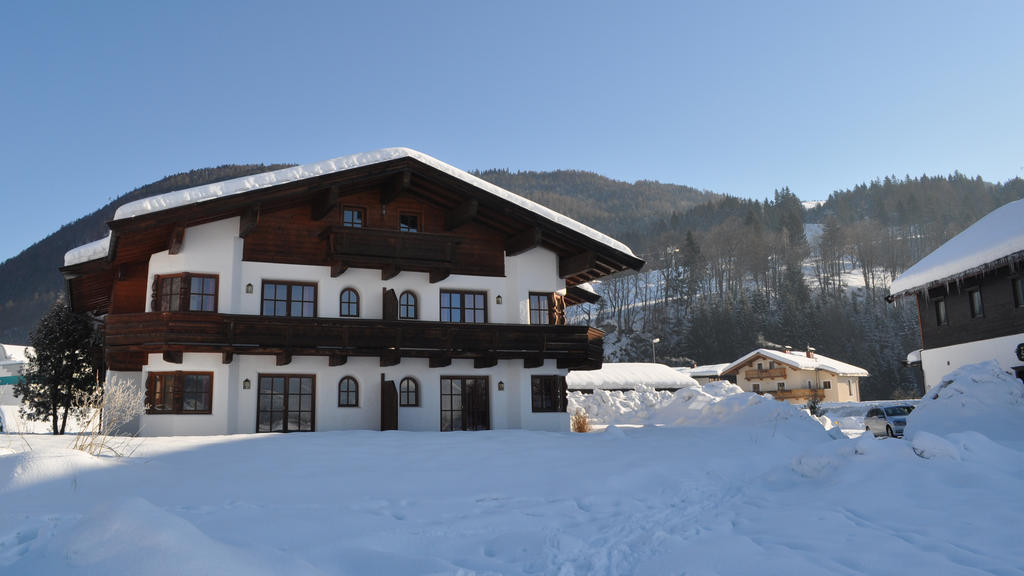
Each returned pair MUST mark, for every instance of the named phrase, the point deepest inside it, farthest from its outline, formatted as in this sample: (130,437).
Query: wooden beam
(533,362)
(323,202)
(173,356)
(389,271)
(577,264)
(337,359)
(112,250)
(337,269)
(284,358)
(525,240)
(177,241)
(440,361)
(438,274)
(227,357)
(462,214)
(248,221)
(485,362)
(390,357)
(396,187)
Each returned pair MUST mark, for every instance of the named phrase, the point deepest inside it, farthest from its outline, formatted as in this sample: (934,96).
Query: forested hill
(622,210)
(30,282)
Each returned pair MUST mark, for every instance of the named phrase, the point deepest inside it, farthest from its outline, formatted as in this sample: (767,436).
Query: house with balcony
(969,294)
(12,365)
(385,290)
(797,376)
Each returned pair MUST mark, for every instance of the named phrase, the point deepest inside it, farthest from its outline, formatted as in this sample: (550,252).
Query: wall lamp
(248,288)
(497,299)
(246,384)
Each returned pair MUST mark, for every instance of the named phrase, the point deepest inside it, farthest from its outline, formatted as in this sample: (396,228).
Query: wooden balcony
(797,396)
(129,337)
(391,250)
(756,374)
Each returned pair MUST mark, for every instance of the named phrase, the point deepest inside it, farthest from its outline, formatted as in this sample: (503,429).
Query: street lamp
(654,357)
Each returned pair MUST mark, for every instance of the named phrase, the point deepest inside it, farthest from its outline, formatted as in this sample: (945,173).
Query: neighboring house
(797,376)
(375,291)
(705,374)
(625,376)
(12,366)
(970,297)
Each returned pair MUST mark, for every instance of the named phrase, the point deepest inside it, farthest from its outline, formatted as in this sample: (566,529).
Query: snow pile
(978,397)
(715,404)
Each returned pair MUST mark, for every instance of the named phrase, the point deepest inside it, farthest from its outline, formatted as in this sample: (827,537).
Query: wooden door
(388,404)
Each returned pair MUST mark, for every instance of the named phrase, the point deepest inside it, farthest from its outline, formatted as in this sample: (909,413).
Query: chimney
(789,349)
(810,352)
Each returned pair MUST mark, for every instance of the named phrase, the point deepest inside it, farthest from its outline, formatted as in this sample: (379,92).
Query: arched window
(348,392)
(409,392)
(349,303)
(407,306)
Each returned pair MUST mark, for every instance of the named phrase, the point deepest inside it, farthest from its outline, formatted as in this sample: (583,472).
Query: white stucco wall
(937,362)
(215,248)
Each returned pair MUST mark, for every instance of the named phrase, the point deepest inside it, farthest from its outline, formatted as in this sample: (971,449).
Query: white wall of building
(215,248)
(938,362)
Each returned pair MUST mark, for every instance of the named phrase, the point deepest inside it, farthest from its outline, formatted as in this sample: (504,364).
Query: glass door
(285,403)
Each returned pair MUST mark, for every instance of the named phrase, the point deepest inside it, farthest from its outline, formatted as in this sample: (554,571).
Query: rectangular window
(940,313)
(541,308)
(974,296)
(757,388)
(179,393)
(1018,292)
(353,217)
(548,393)
(827,384)
(191,292)
(463,306)
(294,299)
(782,386)
(408,222)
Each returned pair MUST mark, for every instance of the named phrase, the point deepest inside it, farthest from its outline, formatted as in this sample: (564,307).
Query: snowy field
(733,484)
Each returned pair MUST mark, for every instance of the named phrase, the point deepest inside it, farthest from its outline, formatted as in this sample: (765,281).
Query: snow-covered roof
(996,239)
(12,353)
(705,371)
(285,175)
(619,375)
(801,361)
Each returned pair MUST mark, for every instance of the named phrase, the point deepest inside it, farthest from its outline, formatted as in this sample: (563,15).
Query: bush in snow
(115,407)
(979,397)
(578,422)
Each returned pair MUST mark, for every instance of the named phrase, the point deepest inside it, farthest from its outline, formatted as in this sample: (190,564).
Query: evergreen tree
(64,369)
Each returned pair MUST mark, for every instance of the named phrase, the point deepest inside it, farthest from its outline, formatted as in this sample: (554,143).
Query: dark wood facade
(129,337)
(1001,315)
(460,229)
(466,231)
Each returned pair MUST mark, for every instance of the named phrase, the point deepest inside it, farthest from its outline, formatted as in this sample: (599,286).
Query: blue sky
(735,97)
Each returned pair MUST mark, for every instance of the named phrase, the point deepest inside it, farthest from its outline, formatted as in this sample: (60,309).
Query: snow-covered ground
(733,484)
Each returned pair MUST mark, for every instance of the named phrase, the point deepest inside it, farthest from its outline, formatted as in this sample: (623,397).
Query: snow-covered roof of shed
(615,375)
(798,359)
(341,164)
(996,239)
(705,371)
(13,353)
(87,252)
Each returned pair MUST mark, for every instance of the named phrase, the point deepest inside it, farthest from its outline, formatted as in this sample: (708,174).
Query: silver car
(888,421)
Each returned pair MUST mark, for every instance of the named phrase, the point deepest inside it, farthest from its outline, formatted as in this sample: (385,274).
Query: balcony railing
(756,374)
(132,335)
(408,250)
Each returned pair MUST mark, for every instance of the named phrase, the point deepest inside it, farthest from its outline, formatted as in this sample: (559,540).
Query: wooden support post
(337,359)
(390,358)
(284,358)
(248,221)
(173,356)
(227,357)
(323,202)
(485,362)
(440,361)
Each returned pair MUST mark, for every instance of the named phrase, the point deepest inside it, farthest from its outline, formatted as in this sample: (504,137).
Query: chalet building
(970,297)
(385,290)
(797,376)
